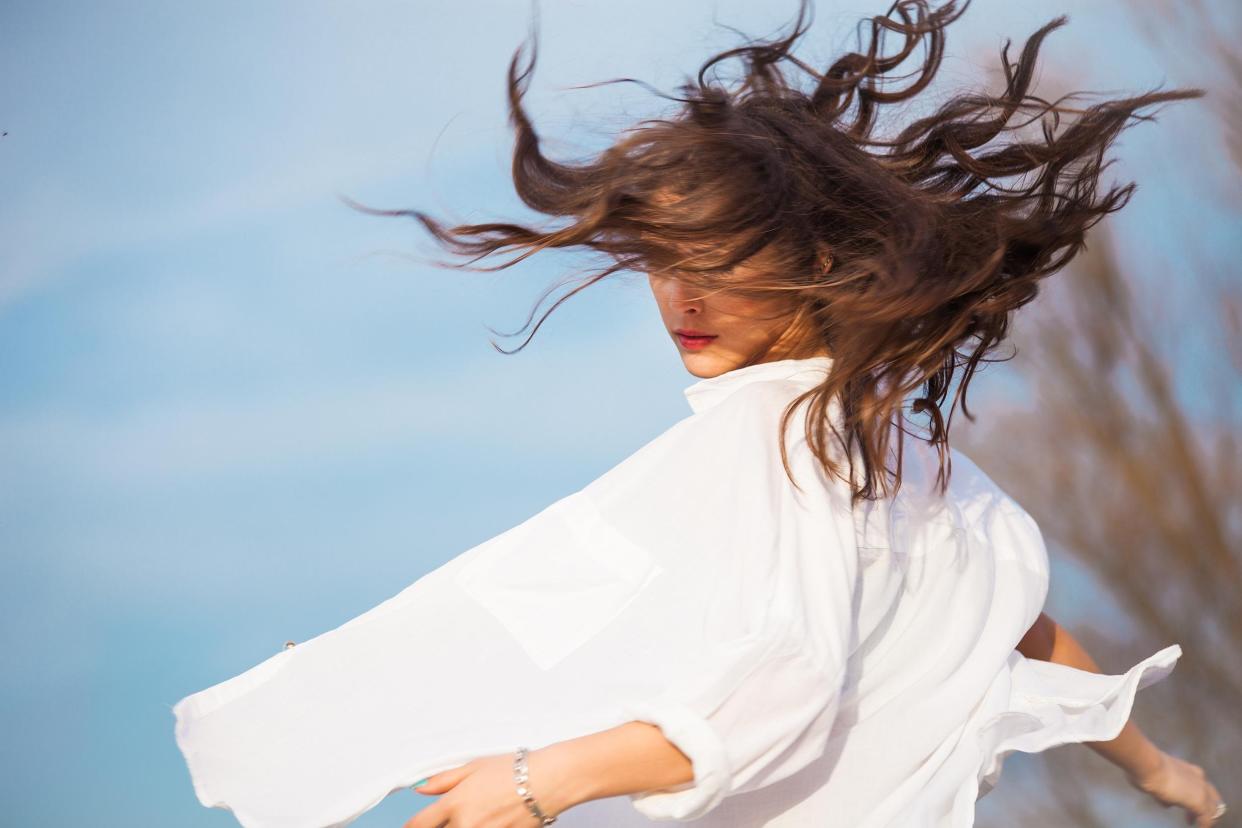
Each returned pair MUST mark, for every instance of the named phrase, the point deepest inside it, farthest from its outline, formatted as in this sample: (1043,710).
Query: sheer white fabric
(820,665)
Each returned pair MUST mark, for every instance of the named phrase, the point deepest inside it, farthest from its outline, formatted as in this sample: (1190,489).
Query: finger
(1213,803)
(1206,819)
(1208,806)
(445,780)
(433,816)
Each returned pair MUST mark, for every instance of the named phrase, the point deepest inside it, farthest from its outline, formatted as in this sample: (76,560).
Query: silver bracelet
(520,776)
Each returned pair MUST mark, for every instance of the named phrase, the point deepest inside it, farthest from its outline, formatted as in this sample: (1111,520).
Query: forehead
(680,232)
(708,251)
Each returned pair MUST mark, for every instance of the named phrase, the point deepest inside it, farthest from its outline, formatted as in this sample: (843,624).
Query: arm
(630,758)
(1131,751)
(633,757)
(1168,779)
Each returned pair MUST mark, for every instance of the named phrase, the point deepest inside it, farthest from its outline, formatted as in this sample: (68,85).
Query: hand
(1175,781)
(482,793)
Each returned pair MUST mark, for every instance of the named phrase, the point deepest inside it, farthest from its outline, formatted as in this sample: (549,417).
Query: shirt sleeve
(692,586)
(773,723)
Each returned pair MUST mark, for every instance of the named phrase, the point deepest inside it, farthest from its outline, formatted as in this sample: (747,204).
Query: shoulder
(971,492)
(974,499)
(997,514)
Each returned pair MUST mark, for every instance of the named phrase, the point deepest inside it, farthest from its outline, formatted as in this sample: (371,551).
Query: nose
(685,297)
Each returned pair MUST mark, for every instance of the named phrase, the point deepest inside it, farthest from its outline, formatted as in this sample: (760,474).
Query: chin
(704,365)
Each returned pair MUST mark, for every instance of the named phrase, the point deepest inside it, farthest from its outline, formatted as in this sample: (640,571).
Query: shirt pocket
(557,579)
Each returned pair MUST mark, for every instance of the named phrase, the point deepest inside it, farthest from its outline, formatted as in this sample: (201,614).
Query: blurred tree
(1131,461)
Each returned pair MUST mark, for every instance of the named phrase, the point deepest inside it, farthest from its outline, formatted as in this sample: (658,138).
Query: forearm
(629,758)
(1131,751)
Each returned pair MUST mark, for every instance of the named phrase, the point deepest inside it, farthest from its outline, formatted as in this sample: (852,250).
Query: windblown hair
(907,257)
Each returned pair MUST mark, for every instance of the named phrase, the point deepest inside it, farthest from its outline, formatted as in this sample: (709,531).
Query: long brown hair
(907,256)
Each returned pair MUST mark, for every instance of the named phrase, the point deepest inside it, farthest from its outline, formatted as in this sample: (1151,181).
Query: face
(739,330)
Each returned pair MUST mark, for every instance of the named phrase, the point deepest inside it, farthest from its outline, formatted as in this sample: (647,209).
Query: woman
(780,611)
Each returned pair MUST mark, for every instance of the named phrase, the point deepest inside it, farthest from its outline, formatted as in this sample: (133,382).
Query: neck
(793,350)
(795,342)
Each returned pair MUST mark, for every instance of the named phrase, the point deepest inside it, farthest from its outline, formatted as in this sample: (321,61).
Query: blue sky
(235,412)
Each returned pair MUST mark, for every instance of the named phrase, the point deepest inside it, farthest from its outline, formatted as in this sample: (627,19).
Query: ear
(823,256)
(825,262)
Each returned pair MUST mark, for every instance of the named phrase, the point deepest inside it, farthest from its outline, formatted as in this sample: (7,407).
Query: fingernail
(421,782)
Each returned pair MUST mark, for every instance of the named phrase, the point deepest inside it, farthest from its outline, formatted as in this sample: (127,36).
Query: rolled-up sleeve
(700,741)
(771,724)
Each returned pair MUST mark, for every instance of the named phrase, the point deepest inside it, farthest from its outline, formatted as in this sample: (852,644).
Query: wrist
(554,778)
(1145,773)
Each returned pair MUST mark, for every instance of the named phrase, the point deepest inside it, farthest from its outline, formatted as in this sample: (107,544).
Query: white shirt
(821,666)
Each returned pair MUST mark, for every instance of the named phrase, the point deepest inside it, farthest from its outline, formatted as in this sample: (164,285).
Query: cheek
(659,292)
(662,286)
(760,315)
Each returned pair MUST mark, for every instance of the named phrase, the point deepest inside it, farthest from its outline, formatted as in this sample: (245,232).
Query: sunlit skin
(747,330)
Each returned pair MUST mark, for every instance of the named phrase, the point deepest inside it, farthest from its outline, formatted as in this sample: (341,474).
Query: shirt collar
(705,393)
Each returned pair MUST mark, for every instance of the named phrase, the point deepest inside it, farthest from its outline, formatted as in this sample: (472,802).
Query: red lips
(693,340)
